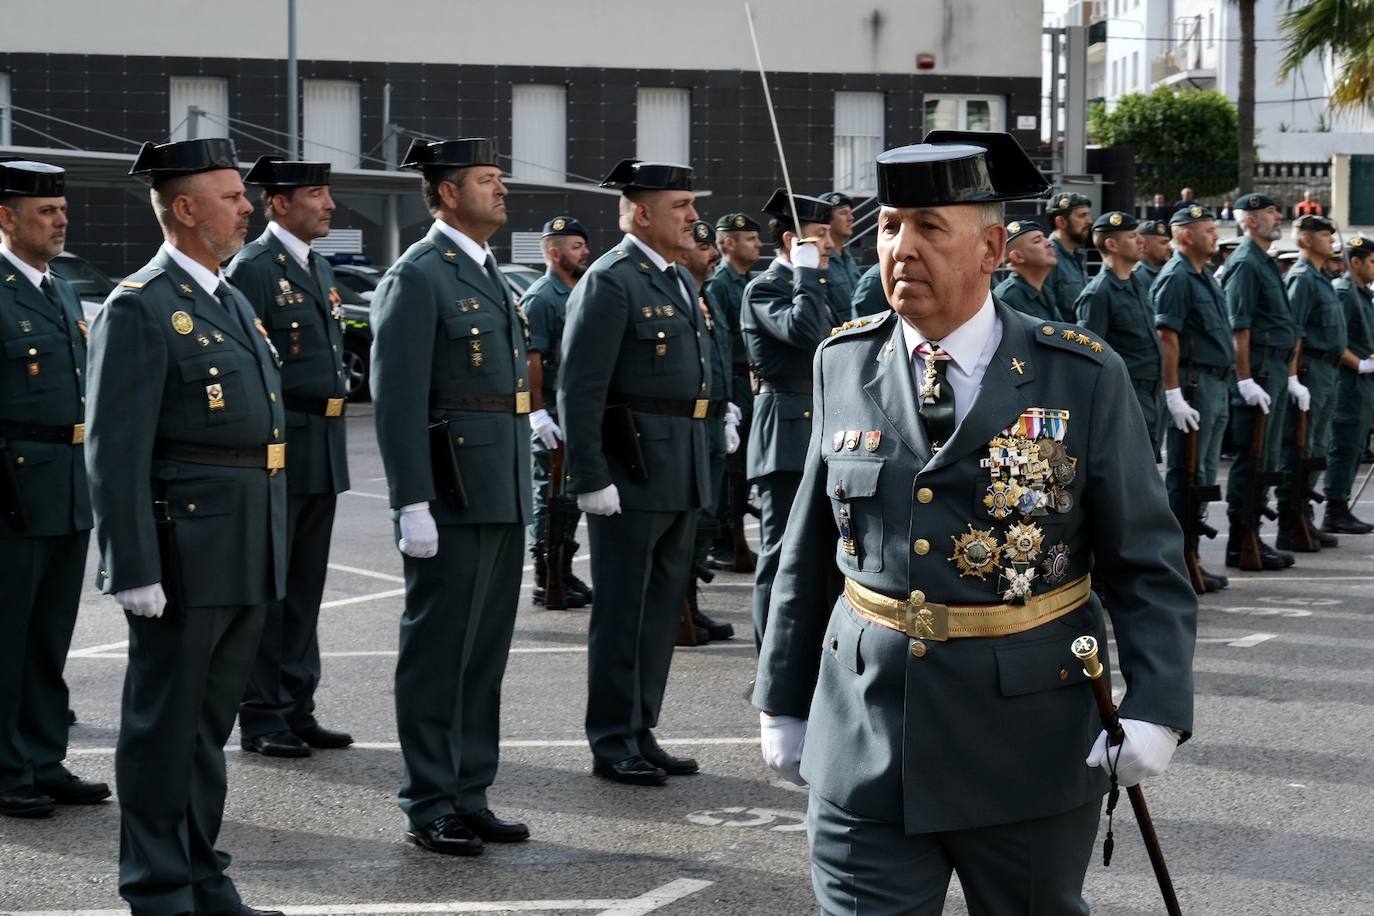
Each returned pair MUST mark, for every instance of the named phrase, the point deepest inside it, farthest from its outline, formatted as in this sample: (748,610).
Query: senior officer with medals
(1030,256)
(786,315)
(1354,412)
(1197,354)
(1071,220)
(634,397)
(45,507)
(452,397)
(1265,334)
(185,447)
(292,290)
(1116,307)
(950,721)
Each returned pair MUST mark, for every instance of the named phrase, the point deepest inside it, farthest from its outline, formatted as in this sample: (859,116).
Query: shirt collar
(965,343)
(556,283)
(477,252)
(35,277)
(298,249)
(204,279)
(658,260)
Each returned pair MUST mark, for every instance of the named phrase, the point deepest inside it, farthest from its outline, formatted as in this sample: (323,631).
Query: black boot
(1337,519)
(1270,559)
(1324,538)
(571,599)
(713,629)
(570,581)
(1290,524)
(1213,582)
(722,553)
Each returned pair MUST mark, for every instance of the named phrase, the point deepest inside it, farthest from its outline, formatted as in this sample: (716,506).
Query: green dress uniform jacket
(1023,297)
(1121,313)
(842,276)
(1066,280)
(869,297)
(545,304)
(42,564)
(1321,316)
(900,728)
(1354,413)
(725,292)
(444,328)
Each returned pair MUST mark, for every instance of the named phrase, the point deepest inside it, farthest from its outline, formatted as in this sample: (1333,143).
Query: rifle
(1196,496)
(555,523)
(170,558)
(1253,505)
(1300,492)
(11,504)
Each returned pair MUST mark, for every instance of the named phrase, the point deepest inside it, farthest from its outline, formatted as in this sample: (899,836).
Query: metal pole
(1076,100)
(192,122)
(293,145)
(391,217)
(1056,163)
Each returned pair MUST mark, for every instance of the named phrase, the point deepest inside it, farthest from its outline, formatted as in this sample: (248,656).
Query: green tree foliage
(1181,139)
(1343,29)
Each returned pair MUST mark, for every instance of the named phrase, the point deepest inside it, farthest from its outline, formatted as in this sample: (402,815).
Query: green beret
(1313,223)
(1115,221)
(1193,213)
(1157,227)
(702,232)
(738,222)
(837,199)
(1255,201)
(1065,201)
(563,225)
(1359,246)
(1019,227)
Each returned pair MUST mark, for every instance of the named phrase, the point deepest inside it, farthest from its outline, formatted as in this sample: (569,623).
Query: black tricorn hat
(809,209)
(633,175)
(26,178)
(450,154)
(958,167)
(158,162)
(563,225)
(276,172)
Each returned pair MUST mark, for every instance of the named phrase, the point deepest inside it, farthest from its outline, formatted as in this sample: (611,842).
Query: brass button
(19,460)
(918,649)
(806,414)
(1063,674)
(834,644)
(295,324)
(475,331)
(924,495)
(922,547)
(190,507)
(662,334)
(460,440)
(275,432)
(1047,330)
(519,383)
(839,492)
(918,597)
(272,396)
(33,351)
(213,372)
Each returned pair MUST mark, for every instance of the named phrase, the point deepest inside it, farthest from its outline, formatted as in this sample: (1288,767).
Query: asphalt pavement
(1268,810)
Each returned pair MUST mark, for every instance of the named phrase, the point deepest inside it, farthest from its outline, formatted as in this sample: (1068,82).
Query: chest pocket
(475,343)
(852,484)
(213,389)
(295,330)
(659,342)
(36,358)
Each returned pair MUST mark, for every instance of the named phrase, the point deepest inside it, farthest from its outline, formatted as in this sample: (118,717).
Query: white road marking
(98,651)
(106,651)
(359,599)
(233,746)
(365,495)
(647,902)
(1272,580)
(359,571)
(750,817)
(1244,642)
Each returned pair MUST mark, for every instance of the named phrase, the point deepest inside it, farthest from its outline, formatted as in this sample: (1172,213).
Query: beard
(223,247)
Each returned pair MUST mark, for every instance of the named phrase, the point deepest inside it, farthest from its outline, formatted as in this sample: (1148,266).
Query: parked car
(357,272)
(92,285)
(519,276)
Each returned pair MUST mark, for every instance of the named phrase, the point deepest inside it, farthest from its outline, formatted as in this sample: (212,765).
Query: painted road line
(645,903)
(107,651)
(233,746)
(371,574)
(364,495)
(1276,580)
(375,596)
(1243,642)
(98,651)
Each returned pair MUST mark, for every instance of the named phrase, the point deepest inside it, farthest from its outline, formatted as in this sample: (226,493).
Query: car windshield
(89,282)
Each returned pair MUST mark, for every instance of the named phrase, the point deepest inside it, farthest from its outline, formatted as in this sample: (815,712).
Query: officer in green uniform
(1116,306)
(45,509)
(842,272)
(1321,320)
(1354,411)
(1031,258)
(185,447)
(786,315)
(451,392)
(1265,335)
(1155,250)
(737,238)
(545,304)
(869,298)
(292,290)
(1071,217)
(944,724)
(634,397)
(722,436)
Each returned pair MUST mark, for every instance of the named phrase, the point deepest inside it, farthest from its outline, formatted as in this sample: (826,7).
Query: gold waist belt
(922,619)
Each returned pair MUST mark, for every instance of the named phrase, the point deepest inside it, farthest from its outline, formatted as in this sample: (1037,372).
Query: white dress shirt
(35,277)
(970,347)
(294,246)
(204,279)
(662,264)
(478,253)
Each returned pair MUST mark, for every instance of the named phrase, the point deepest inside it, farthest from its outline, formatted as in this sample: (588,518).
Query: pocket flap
(653,426)
(842,640)
(1035,667)
(469,433)
(31,345)
(291,319)
(205,366)
(847,478)
(794,406)
(201,498)
(657,330)
(470,324)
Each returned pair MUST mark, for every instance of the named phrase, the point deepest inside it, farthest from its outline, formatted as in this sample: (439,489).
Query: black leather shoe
(71,717)
(673,766)
(633,771)
(323,738)
(713,629)
(1269,555)
(244,910)
(1338,520)
(74,791)
(448,835)
(493,829)
(575,586)
(277,744)
(25,801)
(1213,582)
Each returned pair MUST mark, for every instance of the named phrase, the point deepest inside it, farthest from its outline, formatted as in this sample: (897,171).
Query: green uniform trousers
(1320,379)
(40,589)
(1149,393)
(455,638)
(281,688)
(640,570)
(542,482)
(710,515)
(1209,399)
(866,867)
(1272,374)
(776,493)
(181,690)
(1351,422)
(735,464)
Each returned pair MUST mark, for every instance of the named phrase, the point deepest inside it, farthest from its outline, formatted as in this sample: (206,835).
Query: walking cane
(1085,650)
(1360,491)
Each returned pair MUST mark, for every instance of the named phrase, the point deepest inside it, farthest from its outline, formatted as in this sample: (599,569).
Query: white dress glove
(732,416)
(1254,395)
(1146,752)
(545,428)
(805,254)
(419,534)
(782,738)
(1186,419)
(1366,366)
(732,410)
(1299,393)
(605,501)
(144,601)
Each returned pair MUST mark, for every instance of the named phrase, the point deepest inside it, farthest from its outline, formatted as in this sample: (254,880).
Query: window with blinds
(663,125)
(969,112)
(859,119)
(332,131)
(539,133)
(210,94)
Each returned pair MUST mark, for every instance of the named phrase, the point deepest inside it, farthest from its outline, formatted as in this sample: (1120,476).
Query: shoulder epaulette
(861,324)
(141,278)
(254,250)
(1071,337)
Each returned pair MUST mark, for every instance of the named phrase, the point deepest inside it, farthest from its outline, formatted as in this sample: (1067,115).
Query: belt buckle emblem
(700,408)
(928,621)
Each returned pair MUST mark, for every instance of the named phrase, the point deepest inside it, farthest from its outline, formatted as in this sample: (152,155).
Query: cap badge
(1194,212)
(1114,219)
(181,322)
(560,224)
(1014,228)
(739,222)
(1064,201)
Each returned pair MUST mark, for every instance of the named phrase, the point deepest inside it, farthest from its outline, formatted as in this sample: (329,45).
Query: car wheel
(356,368)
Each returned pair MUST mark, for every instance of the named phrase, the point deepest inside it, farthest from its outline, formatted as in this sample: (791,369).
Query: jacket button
(19,460)
(460,440)
(924,495)
(275,432)
(295,324)
(272,396)
(918,648)
(839,492)
(1047,330)
(834,644)
(922,547)
(213,372)
(918,597)
(190,507)
(806,414)
(1063,674)
(33,351)
(662,334)
(475,331)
